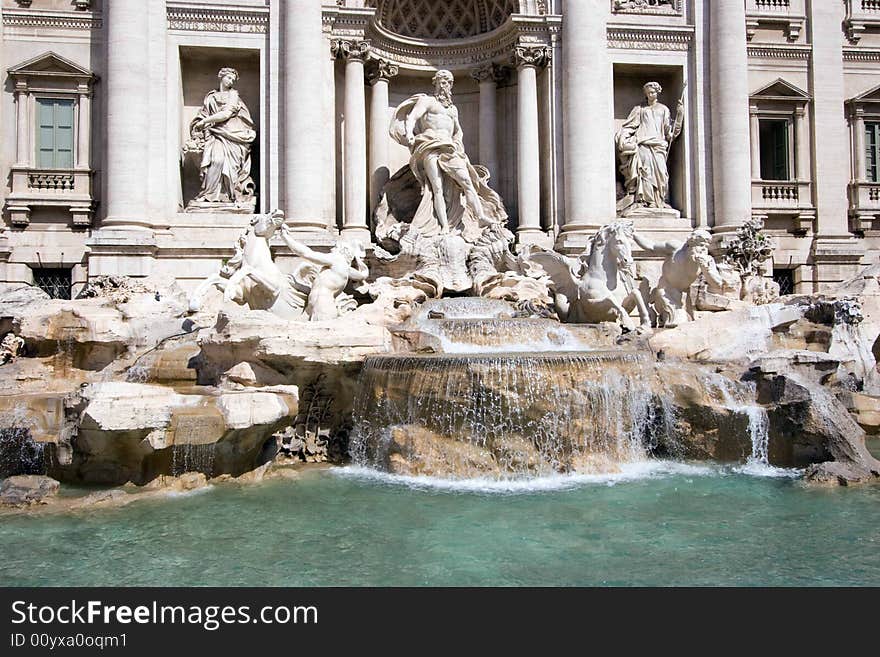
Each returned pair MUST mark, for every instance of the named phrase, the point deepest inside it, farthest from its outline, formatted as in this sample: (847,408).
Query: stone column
(528,153)
(126,169)
(831,149)
(354,224)
(303,61)
(835,254)
(487,77)
(23,142)
(588,116)
(860,164)
(755,139)
(802,144)
(730,114)
(379,74)
(84,152)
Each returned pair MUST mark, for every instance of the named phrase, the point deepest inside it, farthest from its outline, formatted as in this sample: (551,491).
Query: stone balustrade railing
(57,181)
(788,14)
(861,15)
(770,194)
(772,5)
(787,199)
(864,205)
(35,187)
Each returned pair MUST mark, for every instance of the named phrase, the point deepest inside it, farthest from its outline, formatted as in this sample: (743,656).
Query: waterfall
(738,398)
(192,458)
(511,414)
(502,335)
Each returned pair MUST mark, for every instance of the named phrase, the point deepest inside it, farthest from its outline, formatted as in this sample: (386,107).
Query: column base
(534,236)
(360,234)
(836,259)
(576,236)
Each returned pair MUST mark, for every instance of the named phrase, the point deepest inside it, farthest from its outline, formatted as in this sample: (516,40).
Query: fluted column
(588,118)
(23,142)
(354,223)
(528,153)
(126,171)
(379,75)
(303,61)
(487,77)
(730,114)
(755,140)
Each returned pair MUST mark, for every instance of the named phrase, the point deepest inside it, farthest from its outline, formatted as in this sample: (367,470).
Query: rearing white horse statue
(251,278)
(598,286)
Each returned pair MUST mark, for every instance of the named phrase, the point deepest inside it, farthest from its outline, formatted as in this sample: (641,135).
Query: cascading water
(192,458)
(739,398)
(19,452)
(506,415)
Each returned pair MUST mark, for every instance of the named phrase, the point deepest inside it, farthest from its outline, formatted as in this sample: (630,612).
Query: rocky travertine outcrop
(24,490)
(127,386)
(136,432)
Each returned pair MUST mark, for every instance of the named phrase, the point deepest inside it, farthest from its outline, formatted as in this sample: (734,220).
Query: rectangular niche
(629,79)
(198,70)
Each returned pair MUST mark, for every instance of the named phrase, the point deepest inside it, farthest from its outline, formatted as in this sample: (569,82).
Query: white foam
(756,468)
(628,472)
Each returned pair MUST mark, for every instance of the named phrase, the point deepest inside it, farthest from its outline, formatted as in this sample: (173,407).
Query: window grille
(54,282)
(785,279)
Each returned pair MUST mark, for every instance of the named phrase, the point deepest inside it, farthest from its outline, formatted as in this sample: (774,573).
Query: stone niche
(198,73)
(466,96)
(628,82)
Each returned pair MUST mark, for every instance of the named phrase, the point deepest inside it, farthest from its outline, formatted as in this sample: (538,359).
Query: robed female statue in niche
(643,143)
(223,132)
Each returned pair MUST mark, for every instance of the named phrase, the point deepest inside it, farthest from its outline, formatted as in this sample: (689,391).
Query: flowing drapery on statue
(456,196)
(223,131)
(643,143)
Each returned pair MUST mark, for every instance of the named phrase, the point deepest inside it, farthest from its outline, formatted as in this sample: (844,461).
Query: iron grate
(54,282)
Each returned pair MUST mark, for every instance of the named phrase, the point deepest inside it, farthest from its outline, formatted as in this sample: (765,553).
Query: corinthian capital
(490,73)
(537,56)
(350,49)
(381,69)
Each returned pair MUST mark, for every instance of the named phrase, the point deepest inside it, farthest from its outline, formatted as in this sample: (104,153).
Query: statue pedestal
(639,215)
(246,207)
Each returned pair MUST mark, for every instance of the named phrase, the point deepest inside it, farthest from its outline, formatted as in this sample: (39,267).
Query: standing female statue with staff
(643,143)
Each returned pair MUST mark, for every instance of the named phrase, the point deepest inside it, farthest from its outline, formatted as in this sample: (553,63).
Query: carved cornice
(381,69)
(643,38)
(40,18)
(779,52)
(351,50)
(201,18)
(535,56)
(867,55)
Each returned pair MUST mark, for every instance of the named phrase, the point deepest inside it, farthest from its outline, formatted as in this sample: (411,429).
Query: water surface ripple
(660,524)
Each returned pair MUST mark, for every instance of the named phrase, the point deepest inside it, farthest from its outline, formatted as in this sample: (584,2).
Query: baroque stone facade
(780,122)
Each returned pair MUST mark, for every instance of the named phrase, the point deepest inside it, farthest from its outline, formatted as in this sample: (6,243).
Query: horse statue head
(611,251)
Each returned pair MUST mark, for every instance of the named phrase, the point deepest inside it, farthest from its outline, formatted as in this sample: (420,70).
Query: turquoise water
(658,524)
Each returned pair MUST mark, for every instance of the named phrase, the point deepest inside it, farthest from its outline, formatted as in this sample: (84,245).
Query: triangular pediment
(51,64)
(871,94)
(779,88)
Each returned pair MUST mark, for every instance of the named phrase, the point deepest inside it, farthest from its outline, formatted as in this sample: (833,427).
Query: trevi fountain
(445,405)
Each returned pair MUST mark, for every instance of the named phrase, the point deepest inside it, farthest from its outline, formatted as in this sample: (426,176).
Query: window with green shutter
(775,160)
(872,145)
(54,133)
